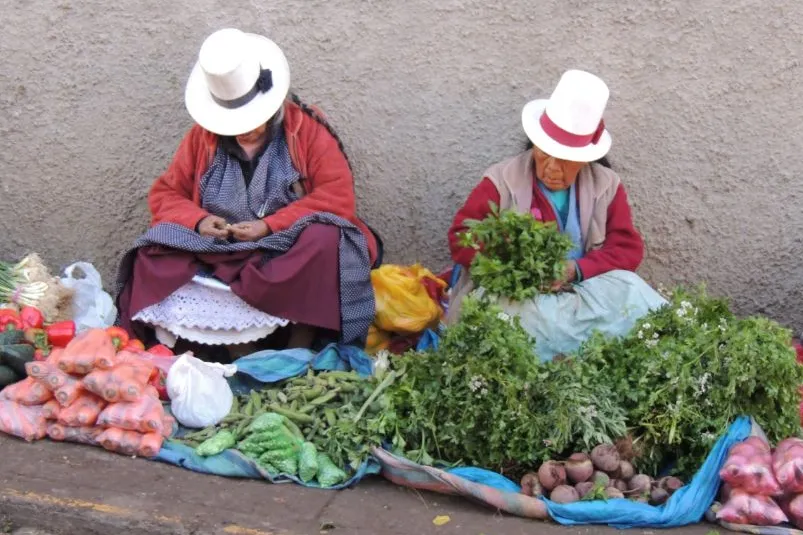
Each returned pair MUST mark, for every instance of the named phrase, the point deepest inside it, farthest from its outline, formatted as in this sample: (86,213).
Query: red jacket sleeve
(330,182)
(623,247)
(171,199)
(476,207)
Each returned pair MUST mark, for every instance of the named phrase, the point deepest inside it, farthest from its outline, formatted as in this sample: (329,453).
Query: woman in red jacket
(254,223)
(565,178)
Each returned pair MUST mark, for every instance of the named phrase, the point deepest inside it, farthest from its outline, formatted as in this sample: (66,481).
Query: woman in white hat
(564,177)
(254,225)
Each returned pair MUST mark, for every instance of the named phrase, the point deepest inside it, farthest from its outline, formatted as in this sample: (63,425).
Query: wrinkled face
(556,174)
(253,137)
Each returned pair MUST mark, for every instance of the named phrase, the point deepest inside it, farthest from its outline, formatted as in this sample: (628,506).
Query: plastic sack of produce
(161,363)
(199,393)
(29,391)
(792,506)
(749,468)
(124,382)
(92,308)
(403,303)
(49,374)
(83,411)
(745,508)
(80,435)
(145,415)
(51,409)
(23,421)
(131,442)
(80,355)
(68,393)
(787,463)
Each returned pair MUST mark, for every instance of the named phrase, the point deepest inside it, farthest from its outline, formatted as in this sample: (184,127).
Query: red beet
(579,468)
(530,485)
(626,471)
(564,494)
(606,458)
(551,475)
(584,488)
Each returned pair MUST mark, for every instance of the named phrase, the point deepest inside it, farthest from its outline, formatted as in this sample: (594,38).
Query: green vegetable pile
(687,370)
(340,414)
(484,399)
(517,256)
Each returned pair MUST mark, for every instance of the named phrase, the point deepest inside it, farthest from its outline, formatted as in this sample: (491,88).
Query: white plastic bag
(92,307)
(198,391)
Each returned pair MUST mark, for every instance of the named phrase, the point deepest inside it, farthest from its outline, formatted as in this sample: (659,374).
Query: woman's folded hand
(249,230)
(213,227)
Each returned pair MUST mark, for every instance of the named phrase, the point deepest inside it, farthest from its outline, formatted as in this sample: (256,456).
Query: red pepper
(9,320)
(134,345)
(37,337)
(119,336)
(60,334)
(31,318)
(161,351)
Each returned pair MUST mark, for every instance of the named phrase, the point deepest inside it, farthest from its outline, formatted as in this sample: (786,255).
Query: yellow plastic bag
(377,340)
(402,303)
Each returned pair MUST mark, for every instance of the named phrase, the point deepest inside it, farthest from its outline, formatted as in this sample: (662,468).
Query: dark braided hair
(323,122)
(602,161)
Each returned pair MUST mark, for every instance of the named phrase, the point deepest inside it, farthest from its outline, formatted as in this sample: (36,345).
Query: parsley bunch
(688,369)
(517,256)
(484,399)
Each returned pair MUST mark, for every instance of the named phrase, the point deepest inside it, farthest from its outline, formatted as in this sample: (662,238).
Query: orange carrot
(111,438)
(29,391)
(51,409)
(150,445)
(68,393)
(83,411)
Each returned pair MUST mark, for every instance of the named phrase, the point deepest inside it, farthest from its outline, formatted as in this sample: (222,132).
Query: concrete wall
(704,112)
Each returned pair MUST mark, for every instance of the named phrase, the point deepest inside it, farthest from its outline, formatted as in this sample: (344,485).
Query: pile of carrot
(90,394)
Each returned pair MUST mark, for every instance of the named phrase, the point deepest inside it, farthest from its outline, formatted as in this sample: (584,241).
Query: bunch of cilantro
(687,370)
(517,256)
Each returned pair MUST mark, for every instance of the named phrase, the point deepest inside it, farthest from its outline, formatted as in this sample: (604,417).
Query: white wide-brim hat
(569,124)
(239,82)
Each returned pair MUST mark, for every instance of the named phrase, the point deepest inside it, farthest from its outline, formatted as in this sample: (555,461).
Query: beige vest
(513,178)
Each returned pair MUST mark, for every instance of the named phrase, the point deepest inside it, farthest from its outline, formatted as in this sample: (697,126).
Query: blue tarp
(254,372)
(686,506)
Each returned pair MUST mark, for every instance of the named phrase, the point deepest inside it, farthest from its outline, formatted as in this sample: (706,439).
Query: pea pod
(256,400)
(321,400)
(297,417)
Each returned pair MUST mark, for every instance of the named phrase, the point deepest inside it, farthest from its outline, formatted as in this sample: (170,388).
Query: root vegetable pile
(602,475)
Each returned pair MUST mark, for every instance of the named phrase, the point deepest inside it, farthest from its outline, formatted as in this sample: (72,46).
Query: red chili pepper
(135,345)
(37,337)
(161,351)
(60,334)
(31,318)
(119,336)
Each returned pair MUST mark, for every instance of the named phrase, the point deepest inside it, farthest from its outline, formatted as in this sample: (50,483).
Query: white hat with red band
(569,124)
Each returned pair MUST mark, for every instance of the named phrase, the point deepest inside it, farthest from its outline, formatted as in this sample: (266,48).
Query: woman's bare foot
(301,336)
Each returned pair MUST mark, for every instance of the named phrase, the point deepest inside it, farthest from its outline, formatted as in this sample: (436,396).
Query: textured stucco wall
(705,116)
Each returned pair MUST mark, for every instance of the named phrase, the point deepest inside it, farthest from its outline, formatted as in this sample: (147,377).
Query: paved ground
(67,489)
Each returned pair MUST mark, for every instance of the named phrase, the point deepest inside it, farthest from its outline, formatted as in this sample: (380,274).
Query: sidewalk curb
(68,516)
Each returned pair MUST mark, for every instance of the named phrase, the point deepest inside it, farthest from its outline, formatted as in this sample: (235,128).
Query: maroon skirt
(302,285)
